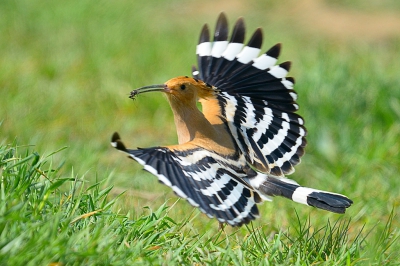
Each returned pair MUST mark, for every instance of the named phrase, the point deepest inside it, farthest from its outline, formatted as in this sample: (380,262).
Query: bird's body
(236,152)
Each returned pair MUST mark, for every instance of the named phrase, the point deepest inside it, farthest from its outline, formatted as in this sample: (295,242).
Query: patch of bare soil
(345,23)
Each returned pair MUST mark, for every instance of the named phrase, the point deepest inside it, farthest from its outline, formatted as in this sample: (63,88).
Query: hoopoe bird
(236,152)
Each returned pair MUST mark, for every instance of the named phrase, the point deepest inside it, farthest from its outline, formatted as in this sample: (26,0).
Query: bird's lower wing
(202,178)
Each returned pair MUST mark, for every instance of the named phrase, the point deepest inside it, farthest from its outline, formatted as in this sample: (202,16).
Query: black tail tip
(330,202)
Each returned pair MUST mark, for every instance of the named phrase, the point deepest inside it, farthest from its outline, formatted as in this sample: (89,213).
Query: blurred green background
(67,67)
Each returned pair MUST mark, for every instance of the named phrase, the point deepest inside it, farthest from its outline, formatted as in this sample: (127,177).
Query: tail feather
(312,197)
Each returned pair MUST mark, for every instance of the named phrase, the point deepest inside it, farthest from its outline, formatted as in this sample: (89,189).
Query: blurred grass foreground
(66,70)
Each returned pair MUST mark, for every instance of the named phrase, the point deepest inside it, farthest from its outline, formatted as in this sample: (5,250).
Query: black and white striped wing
(207,180)
(256,99)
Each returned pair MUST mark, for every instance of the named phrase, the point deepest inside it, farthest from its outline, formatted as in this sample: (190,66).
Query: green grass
(65,73)
(41,222)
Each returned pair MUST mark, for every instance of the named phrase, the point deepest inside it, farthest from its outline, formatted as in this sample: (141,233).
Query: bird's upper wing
(256,99)
(208,181)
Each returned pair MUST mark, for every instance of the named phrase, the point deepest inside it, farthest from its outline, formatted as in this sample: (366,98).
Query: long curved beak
(157,87)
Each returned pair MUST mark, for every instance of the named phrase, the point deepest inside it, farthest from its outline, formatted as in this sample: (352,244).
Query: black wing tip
(286,65)
(115,137)
(291,79)
(275,50)
(222,19)
(257,39)
(117,143)
(239,31)
(222,15)
(205,34)
(221,29)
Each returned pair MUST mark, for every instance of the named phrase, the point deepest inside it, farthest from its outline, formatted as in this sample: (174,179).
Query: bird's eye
(183,87)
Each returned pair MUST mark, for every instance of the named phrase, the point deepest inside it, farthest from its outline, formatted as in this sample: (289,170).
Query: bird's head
(181,90)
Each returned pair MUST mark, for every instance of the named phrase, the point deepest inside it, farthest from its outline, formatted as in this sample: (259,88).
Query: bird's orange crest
(185,88)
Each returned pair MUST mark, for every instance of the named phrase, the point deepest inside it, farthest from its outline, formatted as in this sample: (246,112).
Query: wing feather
(202,178)
(257,99)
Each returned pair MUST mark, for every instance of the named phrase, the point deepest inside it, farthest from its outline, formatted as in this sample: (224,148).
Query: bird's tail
(287,188)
